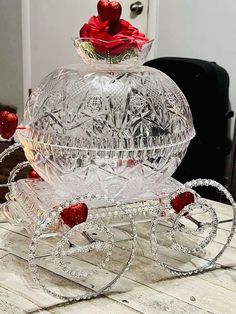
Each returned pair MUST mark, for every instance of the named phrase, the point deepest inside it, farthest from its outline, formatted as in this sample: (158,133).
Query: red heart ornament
(74,214)
(8,124)
(182,200)
(109,10)
(32,174)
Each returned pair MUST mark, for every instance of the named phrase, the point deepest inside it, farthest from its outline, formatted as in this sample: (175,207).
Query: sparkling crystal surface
(113,131)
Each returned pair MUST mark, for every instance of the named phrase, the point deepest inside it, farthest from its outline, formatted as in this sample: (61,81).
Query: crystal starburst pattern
(118,133)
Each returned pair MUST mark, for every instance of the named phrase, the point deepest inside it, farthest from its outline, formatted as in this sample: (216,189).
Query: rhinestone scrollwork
(64,248)
(7,152)
(182,243)
(82,253)
(209,227)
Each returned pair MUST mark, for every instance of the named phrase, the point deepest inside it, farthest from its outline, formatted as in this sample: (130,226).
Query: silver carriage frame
(105,219)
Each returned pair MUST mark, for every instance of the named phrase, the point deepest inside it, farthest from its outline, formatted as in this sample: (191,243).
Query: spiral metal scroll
(189,235)
(16,169)
(11,179)
(91,270)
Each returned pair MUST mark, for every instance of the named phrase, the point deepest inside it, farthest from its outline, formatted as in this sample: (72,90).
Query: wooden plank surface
(146,288)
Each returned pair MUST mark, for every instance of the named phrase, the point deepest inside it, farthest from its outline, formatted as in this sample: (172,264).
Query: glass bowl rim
(160,142)
(111,41)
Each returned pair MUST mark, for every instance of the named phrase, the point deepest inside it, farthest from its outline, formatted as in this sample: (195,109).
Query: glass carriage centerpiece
(105,136)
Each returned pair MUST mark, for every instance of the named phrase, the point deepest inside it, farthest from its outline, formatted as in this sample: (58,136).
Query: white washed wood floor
(146,288)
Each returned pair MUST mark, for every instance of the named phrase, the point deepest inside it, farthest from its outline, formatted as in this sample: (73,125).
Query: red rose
(118,36)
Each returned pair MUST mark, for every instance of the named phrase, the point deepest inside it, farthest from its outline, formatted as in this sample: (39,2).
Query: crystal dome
(117,131)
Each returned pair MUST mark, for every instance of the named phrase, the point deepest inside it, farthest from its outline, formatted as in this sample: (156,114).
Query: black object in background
(206,87)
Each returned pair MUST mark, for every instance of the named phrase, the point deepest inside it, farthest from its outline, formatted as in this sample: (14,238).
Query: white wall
(204,29)
(53,24)
(11,85)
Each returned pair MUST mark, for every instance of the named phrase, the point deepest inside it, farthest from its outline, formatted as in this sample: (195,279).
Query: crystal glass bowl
(119,133)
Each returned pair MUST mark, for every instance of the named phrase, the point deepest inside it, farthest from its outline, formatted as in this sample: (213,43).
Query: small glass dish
(116,52)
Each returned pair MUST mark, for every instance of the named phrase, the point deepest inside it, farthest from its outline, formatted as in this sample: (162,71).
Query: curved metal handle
(137,8)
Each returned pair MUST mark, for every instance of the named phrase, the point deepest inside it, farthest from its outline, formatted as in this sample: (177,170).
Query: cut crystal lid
(136,109)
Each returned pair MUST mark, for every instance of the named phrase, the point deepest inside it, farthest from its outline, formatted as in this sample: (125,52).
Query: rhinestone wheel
(192,240)
(92,255)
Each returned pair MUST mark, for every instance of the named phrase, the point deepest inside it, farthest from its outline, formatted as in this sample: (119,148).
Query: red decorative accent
(109,10)
(107,32)
(127,162)
(8,124)
(182,200)
(32,174)
(132,162)
(114,36)
(22,127)
(75,214)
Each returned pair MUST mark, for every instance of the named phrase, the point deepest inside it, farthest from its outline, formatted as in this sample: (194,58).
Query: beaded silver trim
(60,251)
(15,171)
(63,248)
(7,152)
(177,227)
